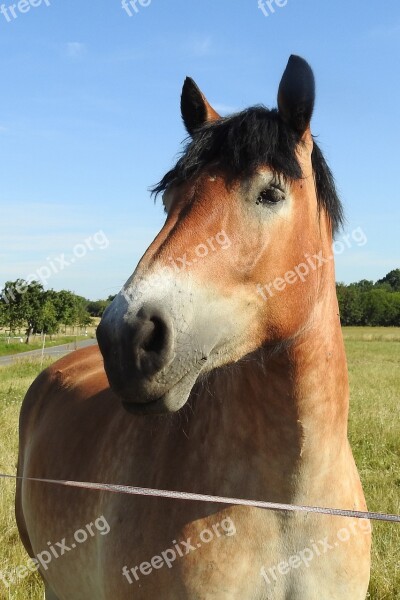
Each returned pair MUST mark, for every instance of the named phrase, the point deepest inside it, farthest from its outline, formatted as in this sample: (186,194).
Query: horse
(220,369)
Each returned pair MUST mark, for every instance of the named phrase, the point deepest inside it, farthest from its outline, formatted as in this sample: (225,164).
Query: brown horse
(230,318)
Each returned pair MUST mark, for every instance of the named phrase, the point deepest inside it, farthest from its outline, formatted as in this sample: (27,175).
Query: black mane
(241,143)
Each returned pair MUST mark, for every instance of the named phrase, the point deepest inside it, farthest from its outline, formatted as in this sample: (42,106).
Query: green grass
(374,429)
(14,381)
(18,347)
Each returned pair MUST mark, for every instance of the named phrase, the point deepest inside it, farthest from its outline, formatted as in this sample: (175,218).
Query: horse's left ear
(195,108)
(296,95)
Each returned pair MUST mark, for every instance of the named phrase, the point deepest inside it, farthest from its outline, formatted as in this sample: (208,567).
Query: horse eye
(269,196)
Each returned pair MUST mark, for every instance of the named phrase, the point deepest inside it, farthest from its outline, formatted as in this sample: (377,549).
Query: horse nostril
(152,340)
(138,348)
(156,336)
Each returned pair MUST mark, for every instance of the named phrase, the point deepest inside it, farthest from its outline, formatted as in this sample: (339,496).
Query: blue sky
(89,119)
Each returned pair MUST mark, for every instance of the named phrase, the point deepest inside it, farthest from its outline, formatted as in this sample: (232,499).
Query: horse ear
(296,95)
(195,109)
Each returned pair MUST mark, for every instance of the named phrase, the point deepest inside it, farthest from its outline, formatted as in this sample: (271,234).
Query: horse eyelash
(275,190)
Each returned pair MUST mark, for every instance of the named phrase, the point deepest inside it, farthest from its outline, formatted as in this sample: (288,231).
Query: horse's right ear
(195,109)
(296,95)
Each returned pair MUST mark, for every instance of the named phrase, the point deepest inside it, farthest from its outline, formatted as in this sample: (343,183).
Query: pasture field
(374,430)
(69,335)
(17,347)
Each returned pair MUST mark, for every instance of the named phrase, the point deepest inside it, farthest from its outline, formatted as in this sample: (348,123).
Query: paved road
(56,351)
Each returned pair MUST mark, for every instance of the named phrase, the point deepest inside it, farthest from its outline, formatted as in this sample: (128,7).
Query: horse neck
(289,408)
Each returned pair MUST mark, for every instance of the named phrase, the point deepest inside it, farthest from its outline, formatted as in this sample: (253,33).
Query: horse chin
(161,406)
(170,402)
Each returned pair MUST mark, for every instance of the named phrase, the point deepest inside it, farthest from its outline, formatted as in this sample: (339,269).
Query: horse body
(266,417)
(205,452)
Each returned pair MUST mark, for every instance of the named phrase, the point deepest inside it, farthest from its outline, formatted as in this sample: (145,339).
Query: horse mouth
(139,408)
(170,401)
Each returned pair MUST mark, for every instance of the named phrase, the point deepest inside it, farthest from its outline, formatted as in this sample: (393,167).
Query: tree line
(30,307)
(369,303)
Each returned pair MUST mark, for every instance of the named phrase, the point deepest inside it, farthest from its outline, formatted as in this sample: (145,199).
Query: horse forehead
(214,186)
(206,187)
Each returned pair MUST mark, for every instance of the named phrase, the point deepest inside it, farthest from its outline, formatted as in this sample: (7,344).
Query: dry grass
(375,438)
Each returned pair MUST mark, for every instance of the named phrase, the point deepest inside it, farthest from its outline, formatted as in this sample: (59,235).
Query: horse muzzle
(150,365)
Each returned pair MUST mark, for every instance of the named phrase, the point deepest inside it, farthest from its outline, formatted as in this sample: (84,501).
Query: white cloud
(75,49)
(200,47)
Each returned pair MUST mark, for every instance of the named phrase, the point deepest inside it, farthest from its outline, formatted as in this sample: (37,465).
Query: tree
(396,309)
(364,285)
(33,302)
(378,308)
(81,315)
(97,308)
(349,298)
(64,303)
(49,322)
(22,306)
(71,309)
(393,279)
(14,306)
(3,313)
